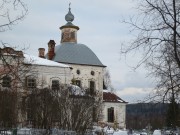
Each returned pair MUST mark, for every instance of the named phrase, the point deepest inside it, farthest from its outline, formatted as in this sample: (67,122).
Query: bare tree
(12,74)
(38,108)
(12,65)
(166,73)
(107,80)
(8,109)
(67,107)
(12,11)
(12,68)
(167,76)
(158,28)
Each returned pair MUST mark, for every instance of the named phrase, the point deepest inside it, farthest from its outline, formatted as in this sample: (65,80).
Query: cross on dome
(69,16)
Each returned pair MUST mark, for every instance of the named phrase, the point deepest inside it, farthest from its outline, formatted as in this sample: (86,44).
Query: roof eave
(69,26)
(115,102)
(82,64)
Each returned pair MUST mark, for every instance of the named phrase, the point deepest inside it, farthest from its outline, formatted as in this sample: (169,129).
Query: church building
(66,63)
(87,71)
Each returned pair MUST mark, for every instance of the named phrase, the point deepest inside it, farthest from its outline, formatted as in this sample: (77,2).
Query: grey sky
(100,29)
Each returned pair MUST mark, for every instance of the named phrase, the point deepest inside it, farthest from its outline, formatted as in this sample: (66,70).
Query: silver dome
(73,53)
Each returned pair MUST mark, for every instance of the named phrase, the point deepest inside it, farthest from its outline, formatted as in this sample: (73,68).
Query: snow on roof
(9,54)
(30,59)
(76,90)
(111,97)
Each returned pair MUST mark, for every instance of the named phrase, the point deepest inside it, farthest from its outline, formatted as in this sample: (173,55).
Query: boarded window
(55,85)
(110,114)
(92,87)
(6,81)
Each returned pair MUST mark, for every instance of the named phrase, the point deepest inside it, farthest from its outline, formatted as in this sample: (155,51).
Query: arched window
(6,81)
(78,72)
(92,73)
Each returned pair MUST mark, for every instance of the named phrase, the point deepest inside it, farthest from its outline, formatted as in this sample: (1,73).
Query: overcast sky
(100,29)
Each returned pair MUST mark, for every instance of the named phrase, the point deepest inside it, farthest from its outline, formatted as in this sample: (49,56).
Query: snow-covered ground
(109,131)
(95,131)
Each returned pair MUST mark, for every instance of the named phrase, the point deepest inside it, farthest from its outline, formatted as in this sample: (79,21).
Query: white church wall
(45,75)
(119,113)
(85,75)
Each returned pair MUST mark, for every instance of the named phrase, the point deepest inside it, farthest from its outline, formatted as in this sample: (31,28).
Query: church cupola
(69,30)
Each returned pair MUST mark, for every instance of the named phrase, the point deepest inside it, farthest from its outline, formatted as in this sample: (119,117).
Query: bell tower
(69,30)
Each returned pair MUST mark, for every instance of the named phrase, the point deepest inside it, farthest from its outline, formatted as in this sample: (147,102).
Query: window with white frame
(31,82)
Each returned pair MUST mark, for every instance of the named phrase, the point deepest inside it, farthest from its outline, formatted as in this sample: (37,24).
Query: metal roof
(69,25)
(111,97)
(74,53)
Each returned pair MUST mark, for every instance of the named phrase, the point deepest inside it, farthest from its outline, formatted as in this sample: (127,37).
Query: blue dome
(73,53)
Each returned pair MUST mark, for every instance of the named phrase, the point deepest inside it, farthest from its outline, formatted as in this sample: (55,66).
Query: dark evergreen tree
(172,114)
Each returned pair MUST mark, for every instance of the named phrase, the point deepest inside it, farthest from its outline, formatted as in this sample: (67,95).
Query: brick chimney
(41,52)
(51,46)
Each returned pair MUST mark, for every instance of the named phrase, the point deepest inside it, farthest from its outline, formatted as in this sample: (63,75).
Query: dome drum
(69,35)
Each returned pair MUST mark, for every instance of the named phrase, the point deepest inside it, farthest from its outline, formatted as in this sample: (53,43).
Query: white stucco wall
(66,74)
(119,113)
(46,74)
(85,75)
